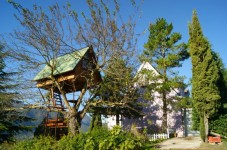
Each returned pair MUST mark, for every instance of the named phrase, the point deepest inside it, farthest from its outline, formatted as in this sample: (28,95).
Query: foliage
(6,146)
(42,142)
(11,119)
(165,52)
(96,139)
(71,143)
(196,120)
(205,93)
(96,136)
(221,83)
(120,140)
(96,121)
(117,91)
(202,129)
(219,125)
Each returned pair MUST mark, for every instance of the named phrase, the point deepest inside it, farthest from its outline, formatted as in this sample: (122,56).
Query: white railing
(154,137)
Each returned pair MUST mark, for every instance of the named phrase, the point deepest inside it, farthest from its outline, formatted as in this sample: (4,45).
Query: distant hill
(85,123)
(38,115)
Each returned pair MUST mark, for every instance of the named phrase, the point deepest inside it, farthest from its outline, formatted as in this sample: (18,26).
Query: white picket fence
(154,137)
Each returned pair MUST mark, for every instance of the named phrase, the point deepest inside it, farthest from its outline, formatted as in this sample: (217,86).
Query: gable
(143,79)
(147,66)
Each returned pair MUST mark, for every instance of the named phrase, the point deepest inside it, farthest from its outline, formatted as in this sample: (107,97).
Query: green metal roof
(64,64)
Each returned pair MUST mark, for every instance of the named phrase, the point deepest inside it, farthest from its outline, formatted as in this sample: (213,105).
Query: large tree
(165,52)
(11,118)
(118,92)
(205,93)
(47,35)
(221,83)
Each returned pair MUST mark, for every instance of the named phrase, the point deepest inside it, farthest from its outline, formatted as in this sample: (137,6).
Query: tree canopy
(165,52)
(11,118)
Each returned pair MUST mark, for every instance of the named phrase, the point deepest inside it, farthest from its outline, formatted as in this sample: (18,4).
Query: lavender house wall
(152,120)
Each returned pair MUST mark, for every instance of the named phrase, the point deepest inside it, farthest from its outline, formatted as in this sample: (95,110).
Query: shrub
(40,143)
(120,140)
(72,143)
(6,146)
(96,136)
(96,139)
(219,125)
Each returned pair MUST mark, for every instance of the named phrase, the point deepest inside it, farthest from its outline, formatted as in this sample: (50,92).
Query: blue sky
(212,15)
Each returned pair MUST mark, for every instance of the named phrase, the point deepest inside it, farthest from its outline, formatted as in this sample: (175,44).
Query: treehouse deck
(56,120)
(56,123)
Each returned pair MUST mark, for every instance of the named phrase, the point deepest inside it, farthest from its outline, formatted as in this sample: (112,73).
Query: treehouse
(71,72)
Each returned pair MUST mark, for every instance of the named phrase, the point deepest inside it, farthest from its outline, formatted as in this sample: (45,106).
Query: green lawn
(222,146)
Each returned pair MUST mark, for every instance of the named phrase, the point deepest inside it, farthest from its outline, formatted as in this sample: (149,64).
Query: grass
(221,146)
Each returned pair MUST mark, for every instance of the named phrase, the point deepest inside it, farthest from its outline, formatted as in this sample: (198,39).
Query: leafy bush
(40,143)
(6,146)
(72,143)
(83,141)
(120,140)
(96,139)
(219,125)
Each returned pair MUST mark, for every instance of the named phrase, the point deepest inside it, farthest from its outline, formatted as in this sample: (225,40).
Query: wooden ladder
(55,122)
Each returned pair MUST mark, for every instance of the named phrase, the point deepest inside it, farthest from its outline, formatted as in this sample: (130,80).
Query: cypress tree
(205,92)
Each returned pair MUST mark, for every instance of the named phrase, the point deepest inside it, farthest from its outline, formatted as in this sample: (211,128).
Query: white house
(152,120)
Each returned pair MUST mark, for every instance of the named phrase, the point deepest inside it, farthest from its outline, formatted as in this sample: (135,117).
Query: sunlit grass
(220,146)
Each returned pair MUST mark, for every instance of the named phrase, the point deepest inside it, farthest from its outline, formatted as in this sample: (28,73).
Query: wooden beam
(49,82)
(56,124)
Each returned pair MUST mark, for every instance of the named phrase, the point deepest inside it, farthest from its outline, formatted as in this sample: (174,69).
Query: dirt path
(181,143)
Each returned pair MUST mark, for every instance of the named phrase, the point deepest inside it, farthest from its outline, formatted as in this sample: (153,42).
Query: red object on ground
(216,139)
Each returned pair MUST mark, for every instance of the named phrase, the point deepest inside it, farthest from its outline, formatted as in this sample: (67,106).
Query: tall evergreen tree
(165,53)
(205,75)
(10,118)
(221,83)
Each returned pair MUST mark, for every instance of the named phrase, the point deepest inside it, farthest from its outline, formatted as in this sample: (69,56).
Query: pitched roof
(147,66)
(64,64)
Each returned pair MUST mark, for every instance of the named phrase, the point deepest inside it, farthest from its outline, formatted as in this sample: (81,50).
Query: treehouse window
(86,64)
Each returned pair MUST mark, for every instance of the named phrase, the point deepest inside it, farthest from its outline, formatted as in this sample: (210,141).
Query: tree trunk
(96,121)
(164,117)
(164,99)
(74,123)
(206,125)
(117,119)
(185,123)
